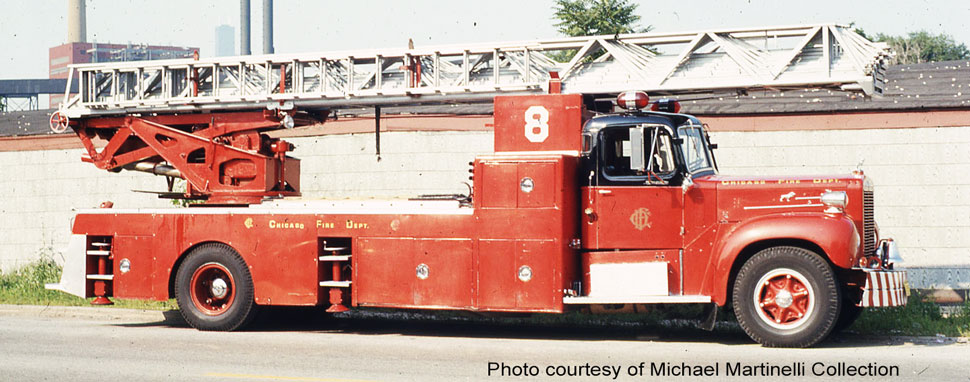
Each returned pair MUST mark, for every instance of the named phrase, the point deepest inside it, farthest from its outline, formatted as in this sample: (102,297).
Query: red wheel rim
(784,298)
(58,122)
(213,289)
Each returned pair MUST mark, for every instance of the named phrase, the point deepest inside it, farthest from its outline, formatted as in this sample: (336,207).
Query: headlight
(835,201)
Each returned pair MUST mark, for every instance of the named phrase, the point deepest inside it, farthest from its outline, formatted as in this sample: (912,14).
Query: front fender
(836,235)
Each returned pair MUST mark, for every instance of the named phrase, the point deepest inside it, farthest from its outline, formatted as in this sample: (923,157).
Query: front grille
(868,224)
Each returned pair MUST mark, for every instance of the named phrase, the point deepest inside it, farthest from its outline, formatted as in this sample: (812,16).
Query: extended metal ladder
(826,55)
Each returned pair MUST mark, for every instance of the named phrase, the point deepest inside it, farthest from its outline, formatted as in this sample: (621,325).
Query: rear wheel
(214,289)
(786,297)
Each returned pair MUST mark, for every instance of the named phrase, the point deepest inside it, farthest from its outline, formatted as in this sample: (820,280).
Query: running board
(636,300)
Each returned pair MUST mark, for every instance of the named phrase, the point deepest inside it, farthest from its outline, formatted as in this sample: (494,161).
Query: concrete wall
(922,195)
(412,163)
(41,188)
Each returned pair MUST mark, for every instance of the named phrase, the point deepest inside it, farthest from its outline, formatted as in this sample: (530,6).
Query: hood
(743,197)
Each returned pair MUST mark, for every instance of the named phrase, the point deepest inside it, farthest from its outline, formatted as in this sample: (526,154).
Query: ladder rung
(98,253)
(335,284)
(335,258)
(101,277)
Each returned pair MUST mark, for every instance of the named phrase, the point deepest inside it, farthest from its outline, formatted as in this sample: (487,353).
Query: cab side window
(616,153)
(617,150)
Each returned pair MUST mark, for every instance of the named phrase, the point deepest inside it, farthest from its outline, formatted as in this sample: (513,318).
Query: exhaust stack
(76,22)
(244,46)
(268,27)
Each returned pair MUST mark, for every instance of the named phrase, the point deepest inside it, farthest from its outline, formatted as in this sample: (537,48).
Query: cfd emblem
(248,223)
(640,218)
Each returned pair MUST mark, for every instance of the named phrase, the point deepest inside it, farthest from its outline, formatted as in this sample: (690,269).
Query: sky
(29,28)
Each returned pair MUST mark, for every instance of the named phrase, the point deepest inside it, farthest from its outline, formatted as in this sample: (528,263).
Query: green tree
(921,46)
(596,17)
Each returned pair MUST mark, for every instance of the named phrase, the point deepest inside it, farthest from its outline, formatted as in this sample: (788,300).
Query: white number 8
(536,124)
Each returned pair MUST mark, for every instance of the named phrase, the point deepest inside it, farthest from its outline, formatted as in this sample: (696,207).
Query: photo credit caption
(683,369)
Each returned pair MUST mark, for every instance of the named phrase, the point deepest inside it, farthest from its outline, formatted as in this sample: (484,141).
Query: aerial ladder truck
(584,205)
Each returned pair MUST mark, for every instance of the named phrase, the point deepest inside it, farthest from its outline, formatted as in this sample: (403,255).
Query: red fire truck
(574,210)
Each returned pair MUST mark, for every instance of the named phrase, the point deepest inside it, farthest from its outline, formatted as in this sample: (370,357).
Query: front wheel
(786,297)
(214,289)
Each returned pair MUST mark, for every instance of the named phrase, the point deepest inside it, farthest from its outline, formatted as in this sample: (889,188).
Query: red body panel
(539,123)
(473,255)
(644,217)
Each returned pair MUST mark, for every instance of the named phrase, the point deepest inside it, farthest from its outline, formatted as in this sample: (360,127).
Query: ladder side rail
(169,85)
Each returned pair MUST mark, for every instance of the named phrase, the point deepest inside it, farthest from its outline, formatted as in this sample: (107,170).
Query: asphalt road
(80,344)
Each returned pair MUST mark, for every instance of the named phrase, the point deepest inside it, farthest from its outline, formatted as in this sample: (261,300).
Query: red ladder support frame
(223,156)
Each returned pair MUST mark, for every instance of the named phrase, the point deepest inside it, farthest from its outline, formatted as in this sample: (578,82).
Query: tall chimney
(244,48)
(268,26)
(76,23)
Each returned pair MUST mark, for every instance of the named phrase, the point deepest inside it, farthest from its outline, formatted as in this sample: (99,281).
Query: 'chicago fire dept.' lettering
(742,182)
(285,225)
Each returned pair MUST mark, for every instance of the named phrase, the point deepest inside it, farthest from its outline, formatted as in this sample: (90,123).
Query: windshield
(696,155)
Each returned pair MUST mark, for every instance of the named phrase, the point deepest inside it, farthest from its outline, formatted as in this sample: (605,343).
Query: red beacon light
(633,100)
(666,105)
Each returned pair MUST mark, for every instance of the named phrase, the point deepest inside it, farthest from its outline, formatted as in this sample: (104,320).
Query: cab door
(632,205)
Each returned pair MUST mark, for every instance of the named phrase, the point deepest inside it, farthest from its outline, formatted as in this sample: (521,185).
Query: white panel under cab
(73,279)
(628,279)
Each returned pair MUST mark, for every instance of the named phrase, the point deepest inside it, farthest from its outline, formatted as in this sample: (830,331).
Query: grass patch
(25,286)
(920,317)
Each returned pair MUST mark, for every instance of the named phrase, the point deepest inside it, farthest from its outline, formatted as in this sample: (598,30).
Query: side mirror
(688,182)
(638,157)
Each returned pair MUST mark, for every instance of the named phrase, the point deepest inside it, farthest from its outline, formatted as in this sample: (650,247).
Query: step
(101,277)
(335,249)
(335,258)
(636,299)
(335,284)
(100,244)
(98,253)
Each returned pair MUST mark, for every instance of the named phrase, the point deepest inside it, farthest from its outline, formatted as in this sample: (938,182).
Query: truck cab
(795,255)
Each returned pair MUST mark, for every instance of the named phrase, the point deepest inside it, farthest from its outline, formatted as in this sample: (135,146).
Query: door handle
(605,192)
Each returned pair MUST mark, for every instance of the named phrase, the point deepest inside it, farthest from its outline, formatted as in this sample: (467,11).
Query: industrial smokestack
(76,22)
(244,48)
(268,26)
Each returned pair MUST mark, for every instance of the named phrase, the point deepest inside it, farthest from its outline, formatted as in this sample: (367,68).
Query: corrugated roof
(17,123)
(934,85)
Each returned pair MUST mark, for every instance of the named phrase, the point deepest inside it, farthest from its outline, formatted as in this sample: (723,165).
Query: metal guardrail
(770,57)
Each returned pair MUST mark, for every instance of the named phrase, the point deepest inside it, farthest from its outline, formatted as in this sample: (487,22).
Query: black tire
(786,297)
(207,303)
(850,312)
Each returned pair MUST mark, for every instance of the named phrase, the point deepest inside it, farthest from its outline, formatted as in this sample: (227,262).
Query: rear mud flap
(73,278)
